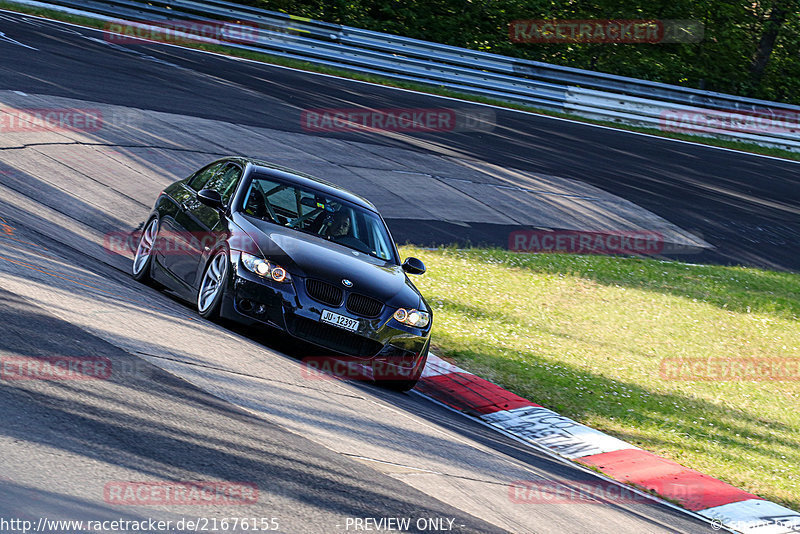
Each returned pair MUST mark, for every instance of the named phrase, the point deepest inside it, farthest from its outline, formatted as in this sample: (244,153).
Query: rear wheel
(143,260)
(209,297)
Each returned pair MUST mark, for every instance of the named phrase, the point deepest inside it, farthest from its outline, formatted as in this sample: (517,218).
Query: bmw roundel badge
(347,283)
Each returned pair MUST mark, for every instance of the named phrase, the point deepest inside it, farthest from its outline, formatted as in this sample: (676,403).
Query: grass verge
(587,337)
(422,88)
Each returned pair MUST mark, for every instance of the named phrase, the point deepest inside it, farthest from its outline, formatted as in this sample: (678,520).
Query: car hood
(313,257)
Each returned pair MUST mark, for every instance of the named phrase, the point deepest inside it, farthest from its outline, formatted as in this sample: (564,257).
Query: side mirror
(413,266)
(210,198)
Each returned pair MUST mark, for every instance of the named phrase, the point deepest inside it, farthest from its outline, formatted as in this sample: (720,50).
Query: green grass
(52,14)
(585,336)
(422,88)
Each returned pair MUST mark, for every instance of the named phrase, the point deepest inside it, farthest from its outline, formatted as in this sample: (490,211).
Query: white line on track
(7,39)
(131,51)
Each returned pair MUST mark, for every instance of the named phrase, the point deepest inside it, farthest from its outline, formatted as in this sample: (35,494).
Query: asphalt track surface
(747,206)
(319,451)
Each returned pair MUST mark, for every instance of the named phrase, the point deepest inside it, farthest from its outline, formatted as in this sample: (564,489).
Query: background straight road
(748,207)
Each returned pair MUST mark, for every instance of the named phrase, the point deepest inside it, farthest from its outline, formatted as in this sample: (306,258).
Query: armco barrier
(588,94)
(652,114)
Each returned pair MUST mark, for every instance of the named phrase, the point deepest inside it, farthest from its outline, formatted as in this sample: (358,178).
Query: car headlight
(265,268)
(417,318)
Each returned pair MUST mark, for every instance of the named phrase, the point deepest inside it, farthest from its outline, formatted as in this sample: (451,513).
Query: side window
(224,182)
(202,176)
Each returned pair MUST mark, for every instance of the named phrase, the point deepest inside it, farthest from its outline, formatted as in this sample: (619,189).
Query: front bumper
(253,300)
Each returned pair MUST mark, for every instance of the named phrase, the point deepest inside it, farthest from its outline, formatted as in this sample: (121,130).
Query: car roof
(302,179)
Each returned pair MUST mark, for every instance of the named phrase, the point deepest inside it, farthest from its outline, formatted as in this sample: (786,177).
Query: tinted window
(224,182)
(198,181)
(202,176)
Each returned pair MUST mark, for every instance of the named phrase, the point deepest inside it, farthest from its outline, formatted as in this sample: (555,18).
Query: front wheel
(209,297)
(408,383)
(143,259)
(399,385)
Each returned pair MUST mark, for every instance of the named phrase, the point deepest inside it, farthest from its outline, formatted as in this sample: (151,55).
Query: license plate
(339,320)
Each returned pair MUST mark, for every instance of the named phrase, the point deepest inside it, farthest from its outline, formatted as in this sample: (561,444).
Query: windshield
(312,212)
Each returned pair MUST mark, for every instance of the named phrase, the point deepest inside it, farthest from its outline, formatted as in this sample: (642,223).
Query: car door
(174,243)
(203,227)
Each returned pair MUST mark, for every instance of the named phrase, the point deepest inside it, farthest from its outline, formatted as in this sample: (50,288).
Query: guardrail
(552,87)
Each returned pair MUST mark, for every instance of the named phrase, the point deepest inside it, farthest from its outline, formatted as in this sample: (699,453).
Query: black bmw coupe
(260,244)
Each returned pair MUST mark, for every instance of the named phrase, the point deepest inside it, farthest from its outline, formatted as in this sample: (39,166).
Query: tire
(405,385)
(212,285)
(400,386)
(143,259)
